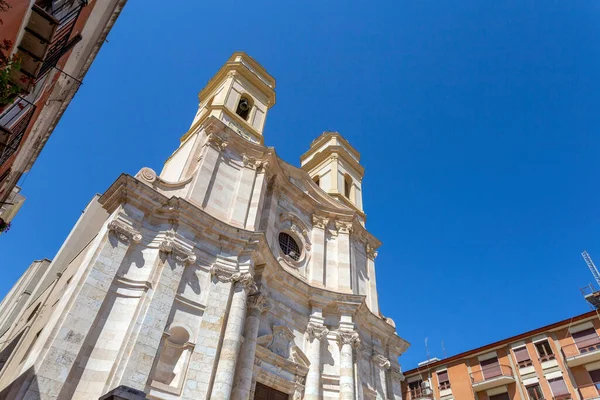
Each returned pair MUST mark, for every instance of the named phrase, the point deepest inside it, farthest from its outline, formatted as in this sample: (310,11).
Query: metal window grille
(289,246)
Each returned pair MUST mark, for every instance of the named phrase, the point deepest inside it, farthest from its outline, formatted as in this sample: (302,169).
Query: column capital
(315,330)
(259,302)
(348,337)
(124,231)
(381,361)
(343,226)
(319,221)
(216,141)
(170,245)
(371,252)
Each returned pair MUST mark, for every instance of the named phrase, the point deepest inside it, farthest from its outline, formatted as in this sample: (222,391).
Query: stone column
(232,339)
(347,340)
(316,332)
(317,261)
(343,256)
(257,304)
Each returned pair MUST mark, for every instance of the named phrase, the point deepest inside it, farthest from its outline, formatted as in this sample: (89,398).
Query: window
(243,108)
(586,338)
(347,186)
(535,392)
(544,350)
(443,380)
(490,368)
(317,180)
(595,375)
(288,245)
(558,387)
(418,389)
(522,356)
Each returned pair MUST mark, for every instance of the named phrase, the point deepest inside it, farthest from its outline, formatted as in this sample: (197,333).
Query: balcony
(47,37)
(492,377)
(582,353)
(588,392)
(13,125)
(419,394)
(562,397)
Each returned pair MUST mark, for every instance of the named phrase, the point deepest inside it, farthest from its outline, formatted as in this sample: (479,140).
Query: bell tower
(333,164)
(240,95)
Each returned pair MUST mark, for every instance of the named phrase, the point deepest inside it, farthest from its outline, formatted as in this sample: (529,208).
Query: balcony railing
(13,125)
(547,357)
(582,353)
(48,36)
(419,394)
(492,376)
(562,397)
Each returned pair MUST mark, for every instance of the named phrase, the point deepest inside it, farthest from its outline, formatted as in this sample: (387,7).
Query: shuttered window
(558,387)
(443,380)
(586,338)
(522,356)
(491,368)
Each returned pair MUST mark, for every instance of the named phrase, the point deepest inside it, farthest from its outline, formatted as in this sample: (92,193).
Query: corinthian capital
(315,330)
(319,221)
(170,245)
(244,281)
(348,337)
(371,252)
(259,301)
(381,361)
(124,232)
(343,226)
(217,141)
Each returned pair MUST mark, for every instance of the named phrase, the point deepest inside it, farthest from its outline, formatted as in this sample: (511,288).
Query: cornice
(324,137)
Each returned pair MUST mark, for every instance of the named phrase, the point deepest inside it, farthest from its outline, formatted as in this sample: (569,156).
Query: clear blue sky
(477,122)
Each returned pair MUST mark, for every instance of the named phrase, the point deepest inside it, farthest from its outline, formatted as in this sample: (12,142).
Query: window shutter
(586,338)
(443,376)
(522,354)
(595,375)
(491,368)
(558,386)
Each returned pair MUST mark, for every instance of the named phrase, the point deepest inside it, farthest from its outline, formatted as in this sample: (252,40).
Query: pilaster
(317,261)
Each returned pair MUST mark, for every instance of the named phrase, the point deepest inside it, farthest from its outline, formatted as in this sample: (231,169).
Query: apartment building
(46,48)
(560,361)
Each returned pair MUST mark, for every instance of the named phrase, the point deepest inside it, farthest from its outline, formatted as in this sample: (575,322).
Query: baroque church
(230,275)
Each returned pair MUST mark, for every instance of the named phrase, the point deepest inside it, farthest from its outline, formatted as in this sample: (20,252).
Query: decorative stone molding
(371,252)
(259,301)
(240,279)
(217,141)
(249,161)
(124,232)
(381,361)
(348,337)
(397,372)
(343,227)
(319,221)
(171,246)
(316,331)
(147,175)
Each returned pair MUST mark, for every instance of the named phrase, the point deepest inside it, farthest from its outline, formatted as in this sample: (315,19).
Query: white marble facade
(177,284)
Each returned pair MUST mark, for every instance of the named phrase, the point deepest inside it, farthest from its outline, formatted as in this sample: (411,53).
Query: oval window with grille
(289,246)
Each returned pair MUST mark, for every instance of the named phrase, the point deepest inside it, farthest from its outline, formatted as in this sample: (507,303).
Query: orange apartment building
(46,48)
(559,361)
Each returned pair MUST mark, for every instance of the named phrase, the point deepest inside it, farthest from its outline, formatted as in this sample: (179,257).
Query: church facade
(229,275)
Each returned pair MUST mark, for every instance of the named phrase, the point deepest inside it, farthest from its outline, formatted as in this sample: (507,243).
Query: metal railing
(547,357)
(491,372)
(583,347)
(562,397)
(13,125)
(66,13)
(418,393)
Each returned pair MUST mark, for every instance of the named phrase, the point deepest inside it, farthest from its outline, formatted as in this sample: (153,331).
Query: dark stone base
(124,393)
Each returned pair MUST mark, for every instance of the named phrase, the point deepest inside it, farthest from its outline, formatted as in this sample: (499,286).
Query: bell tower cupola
(240,95)
(333,164)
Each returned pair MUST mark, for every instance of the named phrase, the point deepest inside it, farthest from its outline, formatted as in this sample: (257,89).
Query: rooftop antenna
(443,349)
(427,348)
(591,266)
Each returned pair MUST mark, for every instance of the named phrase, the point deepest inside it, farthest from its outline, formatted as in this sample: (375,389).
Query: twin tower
(229,275)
